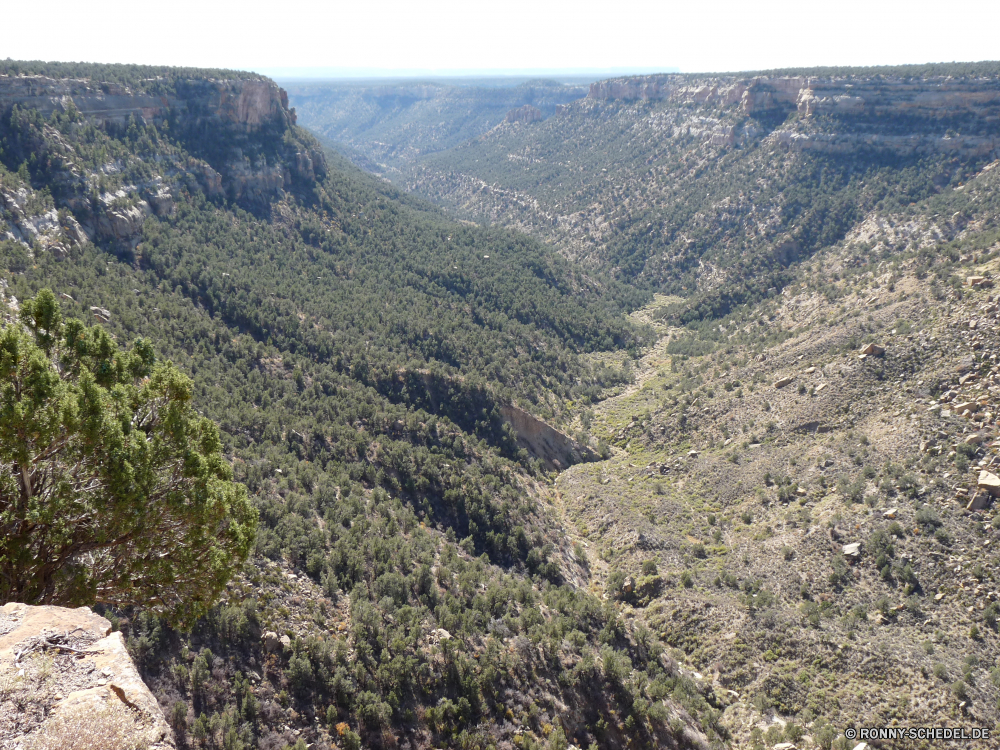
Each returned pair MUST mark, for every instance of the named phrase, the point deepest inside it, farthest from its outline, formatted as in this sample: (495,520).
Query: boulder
(852,550)
(976,281)
(285,641)
(782,382)
(989,483)
(271,641)
(979,501)
(873,350)
(890,513)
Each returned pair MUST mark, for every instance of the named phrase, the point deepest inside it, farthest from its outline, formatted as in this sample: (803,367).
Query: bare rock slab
(69,664)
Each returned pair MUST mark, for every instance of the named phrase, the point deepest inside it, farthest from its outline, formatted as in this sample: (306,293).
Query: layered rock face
(251,103)
(752,94)
(919,108)
(849,95)
(64,671)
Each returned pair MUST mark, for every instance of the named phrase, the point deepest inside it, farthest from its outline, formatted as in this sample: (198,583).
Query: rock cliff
(932,114)
(555,449)
(810,96)
(238,133)
(248,103)
(63,672)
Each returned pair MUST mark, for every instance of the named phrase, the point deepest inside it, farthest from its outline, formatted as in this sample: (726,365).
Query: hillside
(370,363)
(809,527)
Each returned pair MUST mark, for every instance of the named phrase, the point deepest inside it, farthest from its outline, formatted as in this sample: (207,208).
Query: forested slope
(356,348)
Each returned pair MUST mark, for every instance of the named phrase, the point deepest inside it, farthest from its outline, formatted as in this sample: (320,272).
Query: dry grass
(111,727)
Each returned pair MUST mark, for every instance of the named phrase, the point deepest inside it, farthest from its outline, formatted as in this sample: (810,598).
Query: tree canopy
(112,488)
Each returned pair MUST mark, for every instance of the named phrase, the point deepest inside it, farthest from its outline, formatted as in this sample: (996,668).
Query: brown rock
(989,483)
(782,382)
(874,350)
(979,501)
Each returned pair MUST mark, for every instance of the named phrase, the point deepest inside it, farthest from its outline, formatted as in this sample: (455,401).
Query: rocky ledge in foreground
(64,674)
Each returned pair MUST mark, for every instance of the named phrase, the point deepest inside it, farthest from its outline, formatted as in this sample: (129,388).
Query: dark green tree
(112,488)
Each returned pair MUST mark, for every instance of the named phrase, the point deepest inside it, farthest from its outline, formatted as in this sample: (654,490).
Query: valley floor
(817,554)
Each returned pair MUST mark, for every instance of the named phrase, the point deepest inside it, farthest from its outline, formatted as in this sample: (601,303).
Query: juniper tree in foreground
(112,488)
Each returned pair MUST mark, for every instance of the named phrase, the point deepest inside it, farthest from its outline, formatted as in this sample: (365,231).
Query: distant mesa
(525,114)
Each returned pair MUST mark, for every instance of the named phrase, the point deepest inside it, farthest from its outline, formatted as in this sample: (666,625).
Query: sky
(455,37)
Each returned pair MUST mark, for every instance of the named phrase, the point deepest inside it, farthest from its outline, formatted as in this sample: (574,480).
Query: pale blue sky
(463,35)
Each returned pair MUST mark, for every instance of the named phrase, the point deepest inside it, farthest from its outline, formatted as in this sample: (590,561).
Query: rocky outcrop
(121,223)
(310,165)
(161,200)
(637,87)
(64,670)
(555,449)
(525,114)
(44,228)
